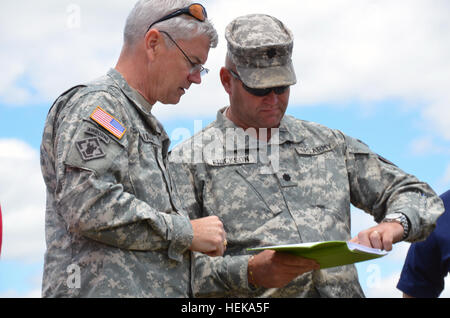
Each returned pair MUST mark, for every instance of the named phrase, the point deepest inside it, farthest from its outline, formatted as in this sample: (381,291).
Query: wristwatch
(401,219)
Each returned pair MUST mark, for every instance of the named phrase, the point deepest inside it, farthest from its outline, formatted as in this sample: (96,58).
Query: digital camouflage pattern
(261,47)
(298,188)
(111,216)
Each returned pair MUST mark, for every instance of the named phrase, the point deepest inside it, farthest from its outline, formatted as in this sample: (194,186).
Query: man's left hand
(381,236)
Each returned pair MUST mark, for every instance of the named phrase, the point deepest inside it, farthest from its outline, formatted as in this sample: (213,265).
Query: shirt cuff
(179,235)
(421,211)
(237,268)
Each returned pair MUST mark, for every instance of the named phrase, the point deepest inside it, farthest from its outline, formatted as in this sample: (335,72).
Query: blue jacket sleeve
(428,262)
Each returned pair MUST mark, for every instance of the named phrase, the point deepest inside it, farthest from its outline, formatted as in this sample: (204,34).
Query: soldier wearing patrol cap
(114,227)
(274,179)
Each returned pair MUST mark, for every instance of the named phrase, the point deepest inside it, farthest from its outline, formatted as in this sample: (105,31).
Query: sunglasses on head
(195,10)
(260,91)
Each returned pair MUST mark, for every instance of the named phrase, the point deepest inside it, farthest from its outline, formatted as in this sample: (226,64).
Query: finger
(363,238)
(387,243)
(218,251)
(222,233)
(375,239)
(387,247)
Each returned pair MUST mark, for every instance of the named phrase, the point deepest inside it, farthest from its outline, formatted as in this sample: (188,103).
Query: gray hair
(145,12)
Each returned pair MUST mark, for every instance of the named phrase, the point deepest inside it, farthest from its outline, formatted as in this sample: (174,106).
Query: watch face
(401,219)
(393,216)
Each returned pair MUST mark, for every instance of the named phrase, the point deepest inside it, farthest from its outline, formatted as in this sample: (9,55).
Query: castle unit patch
(90,149)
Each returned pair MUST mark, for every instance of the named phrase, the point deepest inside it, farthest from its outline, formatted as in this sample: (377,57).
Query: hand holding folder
(330,253)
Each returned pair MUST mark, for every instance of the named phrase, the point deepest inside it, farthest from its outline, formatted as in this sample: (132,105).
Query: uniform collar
(141,104)
(288,132)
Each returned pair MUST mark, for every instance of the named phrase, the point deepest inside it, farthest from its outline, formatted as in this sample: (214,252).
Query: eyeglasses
(260,92)
(195,10)
(195,67)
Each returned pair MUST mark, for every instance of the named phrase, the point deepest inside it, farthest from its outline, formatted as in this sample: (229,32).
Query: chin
(272,123)
(171,101)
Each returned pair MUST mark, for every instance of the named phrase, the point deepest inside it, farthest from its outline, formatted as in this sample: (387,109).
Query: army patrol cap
(261,48)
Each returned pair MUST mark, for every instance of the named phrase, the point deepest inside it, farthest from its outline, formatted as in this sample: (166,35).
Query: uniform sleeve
(94,194)
(219,276)
(378,187)
(212,276)
(187,187)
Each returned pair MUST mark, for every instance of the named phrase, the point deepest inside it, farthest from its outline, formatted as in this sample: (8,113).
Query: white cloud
(344,51)
(44,52)
(438,113)
(385,287)
(22,197)
(370,51)
(367,51)
(426,145)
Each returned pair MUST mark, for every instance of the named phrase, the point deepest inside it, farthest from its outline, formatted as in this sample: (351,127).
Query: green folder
(330,253)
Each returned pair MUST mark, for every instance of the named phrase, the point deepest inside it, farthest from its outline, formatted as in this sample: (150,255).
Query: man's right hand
(271,269)
(209,236)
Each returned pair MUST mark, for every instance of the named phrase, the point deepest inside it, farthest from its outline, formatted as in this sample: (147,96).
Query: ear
(225,78)
(153,43)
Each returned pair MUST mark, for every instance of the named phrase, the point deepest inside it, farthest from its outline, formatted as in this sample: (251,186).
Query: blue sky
(376,70)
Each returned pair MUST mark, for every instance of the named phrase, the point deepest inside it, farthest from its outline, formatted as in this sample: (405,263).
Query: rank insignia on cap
(90,149)
(108,122)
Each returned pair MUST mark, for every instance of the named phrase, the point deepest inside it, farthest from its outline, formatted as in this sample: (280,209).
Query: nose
(195,78)
(271,98)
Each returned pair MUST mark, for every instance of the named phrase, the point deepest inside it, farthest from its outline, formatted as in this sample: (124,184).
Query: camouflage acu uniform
(297,188)
(306,199)
(111,217)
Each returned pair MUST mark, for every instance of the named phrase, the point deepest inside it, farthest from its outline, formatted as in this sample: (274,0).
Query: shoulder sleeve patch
(90,149)
(90,152)
(108,122)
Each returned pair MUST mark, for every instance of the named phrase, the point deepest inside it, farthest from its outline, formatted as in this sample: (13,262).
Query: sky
(378,70)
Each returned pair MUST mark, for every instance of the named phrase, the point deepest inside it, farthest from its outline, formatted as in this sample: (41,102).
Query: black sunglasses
(260,92)
(195,10)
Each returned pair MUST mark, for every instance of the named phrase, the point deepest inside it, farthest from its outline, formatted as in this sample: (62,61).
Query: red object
(0,230)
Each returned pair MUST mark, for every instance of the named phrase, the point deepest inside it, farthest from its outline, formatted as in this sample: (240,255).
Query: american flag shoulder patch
(108,122)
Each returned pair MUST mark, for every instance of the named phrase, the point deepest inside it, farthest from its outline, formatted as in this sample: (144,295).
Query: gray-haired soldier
(274,179)
(114,228)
